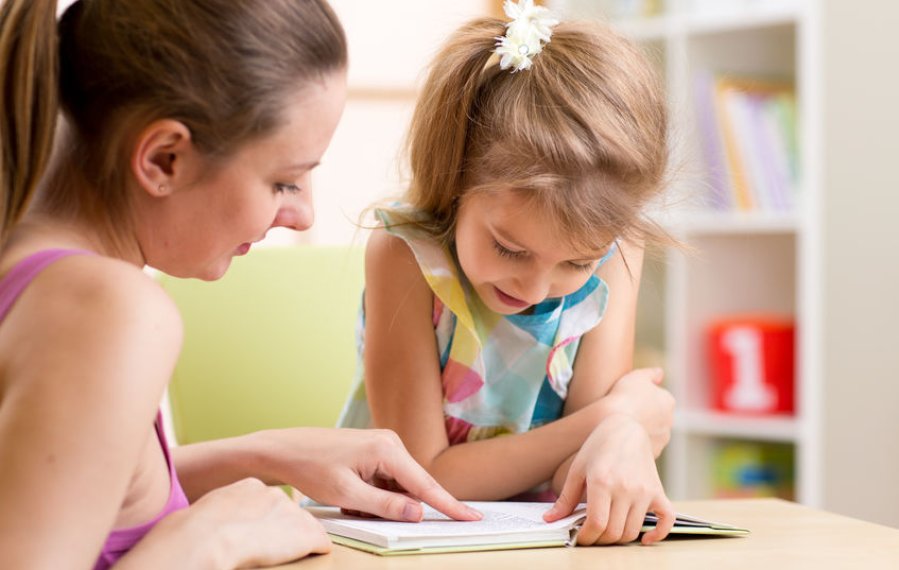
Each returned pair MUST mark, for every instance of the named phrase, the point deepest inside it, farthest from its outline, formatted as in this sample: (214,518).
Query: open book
(506,525)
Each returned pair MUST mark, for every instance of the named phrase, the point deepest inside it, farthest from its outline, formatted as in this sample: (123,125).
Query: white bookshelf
(741,262)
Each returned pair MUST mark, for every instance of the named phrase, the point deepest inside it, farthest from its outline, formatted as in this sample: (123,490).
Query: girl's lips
(510,300)
(243,248)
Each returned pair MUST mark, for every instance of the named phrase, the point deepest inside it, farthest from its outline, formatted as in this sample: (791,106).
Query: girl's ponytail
(28,101)
(440,125)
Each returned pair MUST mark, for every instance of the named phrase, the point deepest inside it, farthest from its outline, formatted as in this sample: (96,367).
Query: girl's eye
(585,267)
(504,251)
(291,188)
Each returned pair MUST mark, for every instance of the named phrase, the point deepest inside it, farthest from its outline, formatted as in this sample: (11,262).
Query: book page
(499,518)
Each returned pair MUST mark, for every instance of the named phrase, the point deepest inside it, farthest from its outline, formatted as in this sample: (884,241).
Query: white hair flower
(530,28)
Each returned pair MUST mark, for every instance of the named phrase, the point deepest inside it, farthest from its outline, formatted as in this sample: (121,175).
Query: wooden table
(784,535)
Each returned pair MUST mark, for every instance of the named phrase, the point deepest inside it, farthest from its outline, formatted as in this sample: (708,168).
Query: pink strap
(24,272)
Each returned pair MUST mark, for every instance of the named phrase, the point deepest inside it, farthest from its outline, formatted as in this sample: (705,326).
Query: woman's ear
(161,152)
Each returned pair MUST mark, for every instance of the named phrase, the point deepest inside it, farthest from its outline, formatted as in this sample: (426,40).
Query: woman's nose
(296,212)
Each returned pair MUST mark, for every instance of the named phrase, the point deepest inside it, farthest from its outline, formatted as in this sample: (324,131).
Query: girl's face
(512,253)
(197,230)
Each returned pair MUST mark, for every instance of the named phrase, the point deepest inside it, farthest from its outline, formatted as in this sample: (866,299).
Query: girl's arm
(605,356)
(614,471)
(403,382)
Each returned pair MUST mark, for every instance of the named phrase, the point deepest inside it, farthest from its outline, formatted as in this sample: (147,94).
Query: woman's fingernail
(475,513)
(412,512)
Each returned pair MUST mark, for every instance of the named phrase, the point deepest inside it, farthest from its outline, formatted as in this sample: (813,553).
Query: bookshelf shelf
(725,223)
(773,428)
(743,19)
(655,28)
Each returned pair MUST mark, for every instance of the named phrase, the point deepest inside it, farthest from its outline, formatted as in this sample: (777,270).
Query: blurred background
(778,331)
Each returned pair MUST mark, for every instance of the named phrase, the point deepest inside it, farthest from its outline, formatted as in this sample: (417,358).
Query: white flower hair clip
(530,28)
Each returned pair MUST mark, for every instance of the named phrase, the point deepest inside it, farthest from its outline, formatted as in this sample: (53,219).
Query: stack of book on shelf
(743,469)
(747,128)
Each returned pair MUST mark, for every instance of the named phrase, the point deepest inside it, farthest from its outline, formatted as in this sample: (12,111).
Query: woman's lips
(243,248)
(510,300)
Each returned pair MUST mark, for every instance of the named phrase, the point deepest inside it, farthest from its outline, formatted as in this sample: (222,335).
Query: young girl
(500,295)
(191,128)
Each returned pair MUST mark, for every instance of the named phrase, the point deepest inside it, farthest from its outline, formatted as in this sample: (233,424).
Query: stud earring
(161,189)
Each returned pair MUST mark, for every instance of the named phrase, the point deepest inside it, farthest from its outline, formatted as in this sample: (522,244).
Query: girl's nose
(535,288)
(296,212)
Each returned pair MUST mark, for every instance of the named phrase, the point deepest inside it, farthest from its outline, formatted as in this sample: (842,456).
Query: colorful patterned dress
(501,374)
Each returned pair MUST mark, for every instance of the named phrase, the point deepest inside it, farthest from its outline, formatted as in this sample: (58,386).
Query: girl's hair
(582,133)
(224,68)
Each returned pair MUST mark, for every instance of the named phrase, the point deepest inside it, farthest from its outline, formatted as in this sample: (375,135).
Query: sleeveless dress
(501,374)
(119,541)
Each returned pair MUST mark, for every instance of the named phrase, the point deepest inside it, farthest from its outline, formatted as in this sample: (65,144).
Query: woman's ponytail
(28,101)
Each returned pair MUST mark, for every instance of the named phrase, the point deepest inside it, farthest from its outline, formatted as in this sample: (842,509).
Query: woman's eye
(292,188)
(504,251)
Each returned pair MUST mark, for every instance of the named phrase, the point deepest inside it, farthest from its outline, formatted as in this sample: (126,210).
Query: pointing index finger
(421,485)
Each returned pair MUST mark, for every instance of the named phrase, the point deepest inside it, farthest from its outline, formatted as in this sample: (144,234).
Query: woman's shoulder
(97,319)
(84,290)
(97,281)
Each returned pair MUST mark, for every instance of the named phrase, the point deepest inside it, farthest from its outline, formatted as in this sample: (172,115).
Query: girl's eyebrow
(505,237)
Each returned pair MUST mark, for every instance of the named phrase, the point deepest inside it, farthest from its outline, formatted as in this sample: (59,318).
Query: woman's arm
(343,467)
(86,352)
(245,524)
(85,356)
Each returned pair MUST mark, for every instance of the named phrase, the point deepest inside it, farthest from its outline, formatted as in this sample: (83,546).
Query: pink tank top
(119,541)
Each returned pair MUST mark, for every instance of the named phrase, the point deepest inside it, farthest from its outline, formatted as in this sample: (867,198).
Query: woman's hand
(615,472)
(366,471)
(639,394)
(244,524)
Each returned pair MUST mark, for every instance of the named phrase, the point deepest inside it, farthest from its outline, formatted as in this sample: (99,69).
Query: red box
(752,364)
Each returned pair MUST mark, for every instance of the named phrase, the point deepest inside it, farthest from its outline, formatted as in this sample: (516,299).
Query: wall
(861,258)
(391,43)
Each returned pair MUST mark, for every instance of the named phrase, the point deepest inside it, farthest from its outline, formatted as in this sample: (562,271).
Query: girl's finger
(598,512)
(663,508)
(634,522)
(568,499)
(615,527)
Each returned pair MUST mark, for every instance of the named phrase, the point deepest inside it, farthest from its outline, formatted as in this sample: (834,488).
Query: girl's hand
(616,473)
(640,394)
(365,471)
(244,524)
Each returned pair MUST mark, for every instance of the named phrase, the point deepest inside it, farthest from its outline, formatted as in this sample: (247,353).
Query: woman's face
(265,184)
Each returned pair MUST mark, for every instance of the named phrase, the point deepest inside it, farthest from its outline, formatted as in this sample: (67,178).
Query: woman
(190,129)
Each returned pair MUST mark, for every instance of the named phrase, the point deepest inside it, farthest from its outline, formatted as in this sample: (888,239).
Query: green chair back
(270,345)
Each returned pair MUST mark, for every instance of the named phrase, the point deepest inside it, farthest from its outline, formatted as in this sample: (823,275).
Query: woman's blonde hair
(582,133)
(224,68)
